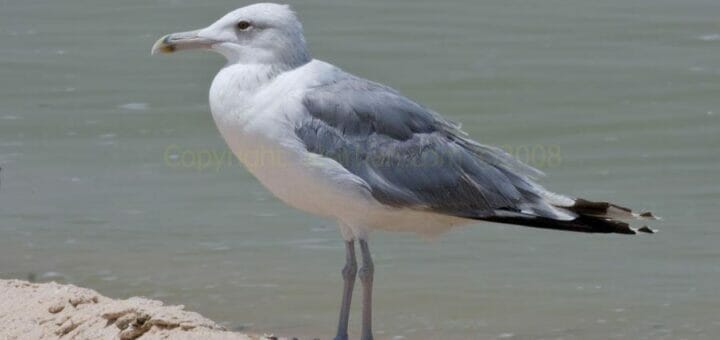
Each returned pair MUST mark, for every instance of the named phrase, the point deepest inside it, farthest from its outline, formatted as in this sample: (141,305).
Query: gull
(342,147)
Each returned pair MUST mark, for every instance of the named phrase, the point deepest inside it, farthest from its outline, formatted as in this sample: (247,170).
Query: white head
(262,33)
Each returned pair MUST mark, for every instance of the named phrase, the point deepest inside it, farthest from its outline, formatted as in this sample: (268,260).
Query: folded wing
(410,157)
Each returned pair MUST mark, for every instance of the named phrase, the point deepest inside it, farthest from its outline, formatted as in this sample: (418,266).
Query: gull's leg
(366,277)
(348,274)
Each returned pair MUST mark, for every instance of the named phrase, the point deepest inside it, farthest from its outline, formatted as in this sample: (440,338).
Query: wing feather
(410,156)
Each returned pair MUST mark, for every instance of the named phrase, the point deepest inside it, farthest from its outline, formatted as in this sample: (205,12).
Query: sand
(59,311)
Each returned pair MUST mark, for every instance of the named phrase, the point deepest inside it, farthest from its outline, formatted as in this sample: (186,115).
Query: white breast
(257,120)
(258,125)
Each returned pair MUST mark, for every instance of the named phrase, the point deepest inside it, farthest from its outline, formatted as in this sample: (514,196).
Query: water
(109,179)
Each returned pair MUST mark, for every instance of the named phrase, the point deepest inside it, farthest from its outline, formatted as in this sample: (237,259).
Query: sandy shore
(58,311)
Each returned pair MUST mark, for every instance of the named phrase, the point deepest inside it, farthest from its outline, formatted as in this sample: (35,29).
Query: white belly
(297,177)
(258,128)
(304,181)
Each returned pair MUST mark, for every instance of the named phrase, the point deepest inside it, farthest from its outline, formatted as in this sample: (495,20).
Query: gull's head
(262,33)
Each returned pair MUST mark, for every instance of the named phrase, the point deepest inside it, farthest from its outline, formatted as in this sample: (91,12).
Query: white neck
(246,77)
(235,86)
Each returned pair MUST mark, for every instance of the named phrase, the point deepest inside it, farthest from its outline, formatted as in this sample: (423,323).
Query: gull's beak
(181,41)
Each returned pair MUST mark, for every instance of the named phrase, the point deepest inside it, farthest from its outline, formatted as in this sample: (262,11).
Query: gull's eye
(243,25)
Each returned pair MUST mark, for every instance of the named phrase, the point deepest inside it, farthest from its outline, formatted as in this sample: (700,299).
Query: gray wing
(410,156)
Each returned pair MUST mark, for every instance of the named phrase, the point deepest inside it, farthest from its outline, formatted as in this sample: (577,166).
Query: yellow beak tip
(166,49)
(161,46)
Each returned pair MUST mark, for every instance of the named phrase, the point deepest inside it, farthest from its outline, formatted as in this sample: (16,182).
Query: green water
(108,178)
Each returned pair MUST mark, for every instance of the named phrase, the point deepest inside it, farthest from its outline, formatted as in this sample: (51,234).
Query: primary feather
(411,157)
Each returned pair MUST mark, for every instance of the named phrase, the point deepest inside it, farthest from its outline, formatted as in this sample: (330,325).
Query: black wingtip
(584,224)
